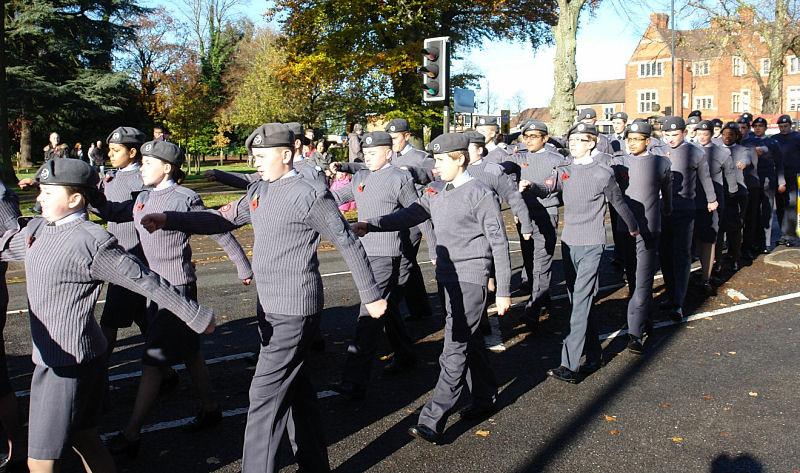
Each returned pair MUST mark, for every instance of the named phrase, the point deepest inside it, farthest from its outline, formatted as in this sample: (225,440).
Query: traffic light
(435,69)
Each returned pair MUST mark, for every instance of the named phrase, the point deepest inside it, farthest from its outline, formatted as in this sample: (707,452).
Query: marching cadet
(786,205)
(617,139)
(306,167)
(753,229)
(379,189)
(641,176)
(691,128)
(69,348)
(288,213)
(689,167)
(771,178)
(9,410)
(470,234)
(586,186)
(536,165)
(169,253)
(488,127)
(717,139)
(707,224)
(735,208)
(494,176)
(124,307)
(588,116)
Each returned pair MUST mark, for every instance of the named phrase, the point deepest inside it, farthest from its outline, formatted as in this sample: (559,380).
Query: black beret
(620,115)
(747,116)
(67,172)
(583,128)
(717,122)
(695,113)
(639,120)
(270,135)
(535,125)
(397,125)
(693,120)
(673,123)
(743,120)
(661,120)
(448,142)
(163,150)
(376,138)
(731,126)
(706,125)
(784,119)
(475,137)
(587,113)
(126,135)
(299,133)
(760,121)
(484,120)
(642,128)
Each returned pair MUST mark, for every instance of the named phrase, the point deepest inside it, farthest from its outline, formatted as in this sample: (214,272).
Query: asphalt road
(716,394)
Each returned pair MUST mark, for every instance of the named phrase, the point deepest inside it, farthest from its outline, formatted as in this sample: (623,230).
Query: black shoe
(477,411)
(676,315)
(766,251)
(523,290)
(531,322)
(708,289)
(635,345)
(666,305)
(716,268)
(169,384)
(736,266)
(648,328)
(204,420)
(562,373)
(120,444)
(425,433)
(591,367)
(349,391)
(396,366)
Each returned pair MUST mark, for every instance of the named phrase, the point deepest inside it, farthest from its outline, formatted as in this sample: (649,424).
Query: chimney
(659,20)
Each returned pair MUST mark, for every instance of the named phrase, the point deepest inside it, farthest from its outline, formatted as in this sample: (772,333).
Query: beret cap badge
(148,147)
(45,173)
(392,128)
(436,147)
(635,127)
(258,140)
(369,140)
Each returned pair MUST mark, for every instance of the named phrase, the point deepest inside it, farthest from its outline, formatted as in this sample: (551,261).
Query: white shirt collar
(490,146)
(588,159)
(405,150)
(134,166)
(165,184)
(480,160)
(292,172)
(461,179)
(77,215)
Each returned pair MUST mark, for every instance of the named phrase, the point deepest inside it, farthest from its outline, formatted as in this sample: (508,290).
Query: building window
(793,99)
(651,69)
(704,103)
(736,102)
(739,67)
(765,66)
(794,64)
(648,99)
(745,100)
(685,100)
(701,68)
(608,111)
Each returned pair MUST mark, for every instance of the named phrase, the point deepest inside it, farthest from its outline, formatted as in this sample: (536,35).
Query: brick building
(707,77)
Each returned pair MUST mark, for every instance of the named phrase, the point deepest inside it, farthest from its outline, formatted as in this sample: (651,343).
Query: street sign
(463,100)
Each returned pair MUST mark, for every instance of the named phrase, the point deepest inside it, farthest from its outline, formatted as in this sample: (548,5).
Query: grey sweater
(65,267)
(379,193)
(536,168)
(237,180)
(169,253)
(722,170)
(124,186)
(689,167)
(494,176)
(585,189)
(741,154)
(288,216)
(469,228)
(641,178)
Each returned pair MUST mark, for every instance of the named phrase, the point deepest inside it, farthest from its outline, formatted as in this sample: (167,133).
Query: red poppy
(524,165)
(254,203)
(139,207)
(431,191)
(225,208)
(361,187)
(564,176)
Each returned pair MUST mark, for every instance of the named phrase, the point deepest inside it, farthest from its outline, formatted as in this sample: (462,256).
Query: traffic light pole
(446,119)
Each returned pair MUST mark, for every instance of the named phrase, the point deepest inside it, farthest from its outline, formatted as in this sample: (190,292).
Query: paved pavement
(715,394)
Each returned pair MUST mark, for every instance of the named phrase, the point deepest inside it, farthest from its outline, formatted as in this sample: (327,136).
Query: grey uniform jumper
(288,216)
(723,172)
(537,253)
(9,213)
(470,234)
(736,205)
(378,193)
(689,169)
(237,180)
(494,176)
(586,188)
(641,179)
(497,155)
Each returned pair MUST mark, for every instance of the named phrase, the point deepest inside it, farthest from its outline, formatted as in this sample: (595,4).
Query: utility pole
(488,97)
(672,54)
(5,155)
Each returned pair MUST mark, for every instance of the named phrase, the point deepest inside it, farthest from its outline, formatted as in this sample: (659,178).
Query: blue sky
(606,40)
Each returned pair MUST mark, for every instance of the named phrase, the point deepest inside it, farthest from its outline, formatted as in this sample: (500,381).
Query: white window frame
(765,66)
(793,99)
(645,99)
(746,100)
(738,66)
(645,69)
(704,102)
(736,102)
(701,68)
(793,65)
(608,111)
(685,100)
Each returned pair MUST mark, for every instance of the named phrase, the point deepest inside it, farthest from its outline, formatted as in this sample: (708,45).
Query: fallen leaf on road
(385,357)
(677,439)
(736,295)
(690,326)
(615,432)
(724,434)
(482,433)
(732,353)
(610,418)
(665,405)
(708,397)
(716,353)
(753,394)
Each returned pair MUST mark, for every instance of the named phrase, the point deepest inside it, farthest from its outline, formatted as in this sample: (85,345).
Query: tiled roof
(600,92)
